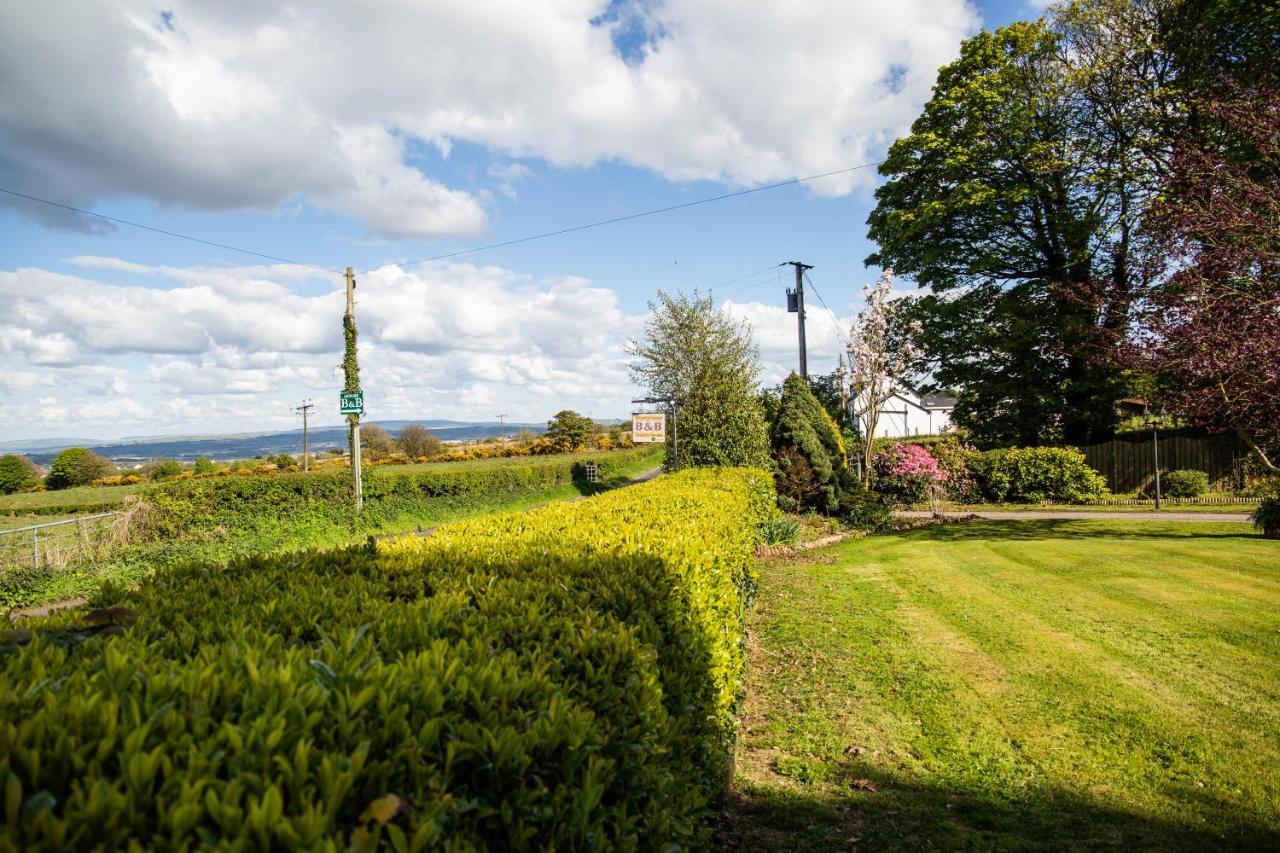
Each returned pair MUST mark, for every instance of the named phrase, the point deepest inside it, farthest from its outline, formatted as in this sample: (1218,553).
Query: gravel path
(1073,515)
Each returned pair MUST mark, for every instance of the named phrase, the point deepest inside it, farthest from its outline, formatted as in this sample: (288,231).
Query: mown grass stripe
(1082,684)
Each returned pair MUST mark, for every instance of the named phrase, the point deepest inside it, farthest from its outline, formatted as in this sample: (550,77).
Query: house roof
(938,402)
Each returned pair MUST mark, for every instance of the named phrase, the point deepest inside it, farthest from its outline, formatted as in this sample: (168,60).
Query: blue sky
(228,127)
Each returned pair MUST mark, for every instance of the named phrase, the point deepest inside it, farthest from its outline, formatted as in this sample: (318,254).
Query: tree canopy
(569,430)
(417,441)
(77,466)
(17,473)
(1018,199)
(705,361)
(994,204)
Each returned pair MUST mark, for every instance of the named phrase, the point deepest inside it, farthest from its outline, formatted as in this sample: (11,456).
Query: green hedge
(1185,483)
(220,518)
(563,678)
(1035,474)
(218,508)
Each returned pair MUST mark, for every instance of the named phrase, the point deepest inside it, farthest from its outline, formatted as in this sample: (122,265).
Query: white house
(907,413)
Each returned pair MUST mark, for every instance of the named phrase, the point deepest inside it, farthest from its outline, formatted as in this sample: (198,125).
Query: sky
(332,134)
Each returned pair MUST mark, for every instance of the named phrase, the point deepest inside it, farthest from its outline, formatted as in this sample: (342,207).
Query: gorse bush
(1185,483)
(562,679)
(1034,474)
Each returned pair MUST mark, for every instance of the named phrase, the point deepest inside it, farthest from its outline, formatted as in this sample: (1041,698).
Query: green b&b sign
(351,403)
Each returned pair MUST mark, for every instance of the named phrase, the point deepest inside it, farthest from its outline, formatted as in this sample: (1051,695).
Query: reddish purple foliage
(1211,322)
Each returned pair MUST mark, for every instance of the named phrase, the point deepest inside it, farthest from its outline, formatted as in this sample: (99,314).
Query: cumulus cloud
(232,349)
(253,105)
(224,346)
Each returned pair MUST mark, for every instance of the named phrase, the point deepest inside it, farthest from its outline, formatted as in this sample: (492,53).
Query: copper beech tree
(1209,321)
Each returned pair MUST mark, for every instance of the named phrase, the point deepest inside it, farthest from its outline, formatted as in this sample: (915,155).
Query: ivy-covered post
(351,385)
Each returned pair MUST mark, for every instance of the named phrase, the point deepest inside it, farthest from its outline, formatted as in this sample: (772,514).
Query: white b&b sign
(648,429)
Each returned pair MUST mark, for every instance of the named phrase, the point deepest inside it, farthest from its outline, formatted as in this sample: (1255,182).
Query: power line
(557,344)
(630,216)
(834,318)
(409,263)
(176,234)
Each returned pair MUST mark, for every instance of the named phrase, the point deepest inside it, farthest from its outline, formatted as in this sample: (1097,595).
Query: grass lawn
(1016,685)
(82,498)
(12,522)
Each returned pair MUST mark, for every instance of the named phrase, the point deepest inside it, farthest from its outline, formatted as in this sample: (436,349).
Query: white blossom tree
(881,357)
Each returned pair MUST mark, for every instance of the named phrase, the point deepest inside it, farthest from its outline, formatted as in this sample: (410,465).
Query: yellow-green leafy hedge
(563,678)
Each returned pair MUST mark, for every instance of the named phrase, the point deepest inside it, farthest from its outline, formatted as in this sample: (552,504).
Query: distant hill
(34,445)
(247,445)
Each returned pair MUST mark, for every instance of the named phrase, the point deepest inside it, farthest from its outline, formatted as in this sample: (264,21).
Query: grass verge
(1030,685)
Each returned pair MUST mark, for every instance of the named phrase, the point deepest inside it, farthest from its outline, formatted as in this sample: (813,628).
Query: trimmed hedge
(1186,483)
(563,678)
(1035,474)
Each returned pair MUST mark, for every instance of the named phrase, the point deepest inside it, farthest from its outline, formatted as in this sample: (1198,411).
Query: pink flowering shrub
(904,473)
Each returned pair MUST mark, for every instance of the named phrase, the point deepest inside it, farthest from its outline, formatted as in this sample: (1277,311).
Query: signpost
(351,402)
(649,429)
(638,434)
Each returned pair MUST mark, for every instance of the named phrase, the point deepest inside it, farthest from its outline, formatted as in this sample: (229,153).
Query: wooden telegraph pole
(352,398)
(305,409)
(795,300)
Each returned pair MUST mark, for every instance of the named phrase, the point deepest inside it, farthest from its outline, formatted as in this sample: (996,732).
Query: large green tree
(704,360)
(569,431)
(1008,203)
(17,473)
(77,466)
(1018,197)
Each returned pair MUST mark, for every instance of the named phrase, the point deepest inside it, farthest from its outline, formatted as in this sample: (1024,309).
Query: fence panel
(1128,465)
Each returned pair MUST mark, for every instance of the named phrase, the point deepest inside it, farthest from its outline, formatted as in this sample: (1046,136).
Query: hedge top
(563,678)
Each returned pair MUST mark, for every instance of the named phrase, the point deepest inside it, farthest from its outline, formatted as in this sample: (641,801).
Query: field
(1016,685)
(66,501)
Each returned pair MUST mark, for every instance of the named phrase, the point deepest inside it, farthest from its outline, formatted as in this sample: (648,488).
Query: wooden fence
(1128,465)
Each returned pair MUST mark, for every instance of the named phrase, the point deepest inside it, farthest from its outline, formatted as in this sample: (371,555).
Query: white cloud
(254,105)
(774,331)
(234,349)
(225,349)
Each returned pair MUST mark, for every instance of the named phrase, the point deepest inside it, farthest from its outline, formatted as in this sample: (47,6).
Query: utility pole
(795,305)
(502,428)
(305,409)
(351,373)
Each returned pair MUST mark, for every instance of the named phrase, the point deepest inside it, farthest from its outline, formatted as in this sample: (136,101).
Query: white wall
(902,419)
